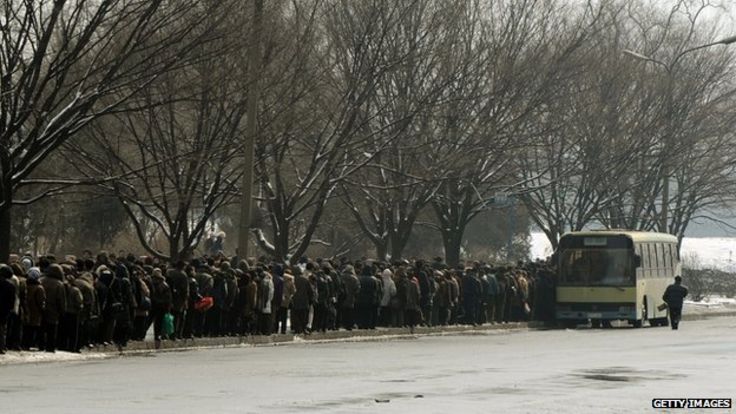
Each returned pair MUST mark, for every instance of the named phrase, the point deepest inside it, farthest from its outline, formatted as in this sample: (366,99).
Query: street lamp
(669,68)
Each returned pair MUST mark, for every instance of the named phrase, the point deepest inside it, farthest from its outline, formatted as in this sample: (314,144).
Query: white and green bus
(615,275)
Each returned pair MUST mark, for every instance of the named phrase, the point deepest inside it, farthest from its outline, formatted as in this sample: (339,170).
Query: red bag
(204,304)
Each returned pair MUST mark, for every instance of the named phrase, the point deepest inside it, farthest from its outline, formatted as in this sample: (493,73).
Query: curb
(380,334)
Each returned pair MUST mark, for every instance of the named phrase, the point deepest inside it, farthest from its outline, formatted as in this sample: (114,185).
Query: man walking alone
(674,296)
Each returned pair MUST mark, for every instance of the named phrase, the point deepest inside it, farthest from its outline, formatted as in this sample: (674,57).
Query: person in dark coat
(179,283)
(501,296)
(413,303)
(122,289)
(324,295)
(471,289)
(7,301)
(674,296)
(68,338)
(364,303)
(33,309)
(89,317)
(303,298)
(161,302)
(491,295)
(426,289)
(55,305)
(351,288)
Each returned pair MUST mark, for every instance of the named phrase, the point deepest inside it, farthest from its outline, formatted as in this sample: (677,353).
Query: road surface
(556,371)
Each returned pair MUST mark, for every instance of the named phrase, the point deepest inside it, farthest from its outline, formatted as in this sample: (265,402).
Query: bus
(611,275)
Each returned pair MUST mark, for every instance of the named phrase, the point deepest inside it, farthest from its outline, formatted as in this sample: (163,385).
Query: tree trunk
(174,250)
(5,233)
(398,244)
(381,250)
(452,241)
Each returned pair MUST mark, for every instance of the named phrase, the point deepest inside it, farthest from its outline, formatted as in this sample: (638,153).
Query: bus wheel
(606,324)
(569,324)
(595,323)
(637,323)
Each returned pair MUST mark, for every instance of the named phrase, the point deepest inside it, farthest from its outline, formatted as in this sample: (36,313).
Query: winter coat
(85,283)
(471,289)
(492,286)
(289,290)
(219,290)
(278,290)
(368,290)
(18,291)
(454,291)
(161,298)
(251,298)
(55,295)
(674,295)
(426,289)
(34,304)
(352,288)
(179,284)
(324,291)
(442,296)
(265,294)
(74,299)
(205,282)
(7,299)
(413,295)
(399,300)
(389,288)
(121,291)
(304,295)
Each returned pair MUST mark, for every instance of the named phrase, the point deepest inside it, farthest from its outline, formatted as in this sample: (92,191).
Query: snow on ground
(715,252)
(556,371)
(25,357)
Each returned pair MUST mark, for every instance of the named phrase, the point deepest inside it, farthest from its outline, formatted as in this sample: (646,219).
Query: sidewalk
(692,312)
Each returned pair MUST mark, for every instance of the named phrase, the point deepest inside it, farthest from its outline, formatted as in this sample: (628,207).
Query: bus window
(663,255)
(667,256)
(645,256)
(597,267)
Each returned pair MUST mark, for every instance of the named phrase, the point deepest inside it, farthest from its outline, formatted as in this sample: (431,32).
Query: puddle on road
(624,374)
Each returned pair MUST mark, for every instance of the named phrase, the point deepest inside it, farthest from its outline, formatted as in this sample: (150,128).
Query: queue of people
(48,304)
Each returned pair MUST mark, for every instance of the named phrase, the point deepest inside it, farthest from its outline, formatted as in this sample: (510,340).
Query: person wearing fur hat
(33,308)
(53,284)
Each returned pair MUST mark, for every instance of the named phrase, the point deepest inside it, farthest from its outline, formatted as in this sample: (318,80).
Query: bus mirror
(637,260)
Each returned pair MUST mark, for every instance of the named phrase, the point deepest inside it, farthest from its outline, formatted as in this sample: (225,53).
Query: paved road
(581,371)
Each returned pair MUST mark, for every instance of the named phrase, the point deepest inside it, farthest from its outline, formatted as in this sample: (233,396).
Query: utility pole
(254,76)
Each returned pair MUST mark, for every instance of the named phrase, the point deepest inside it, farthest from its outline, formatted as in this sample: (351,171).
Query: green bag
(168,325)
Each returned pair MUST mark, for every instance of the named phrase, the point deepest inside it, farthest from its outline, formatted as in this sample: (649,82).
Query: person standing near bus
(674,296)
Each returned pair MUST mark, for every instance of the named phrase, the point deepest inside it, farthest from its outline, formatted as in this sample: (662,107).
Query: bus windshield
(597,267)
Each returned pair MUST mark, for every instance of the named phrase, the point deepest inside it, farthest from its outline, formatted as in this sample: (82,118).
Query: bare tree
(318,113)
(387,195)
(173,164)
(64,64)
(514,70)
